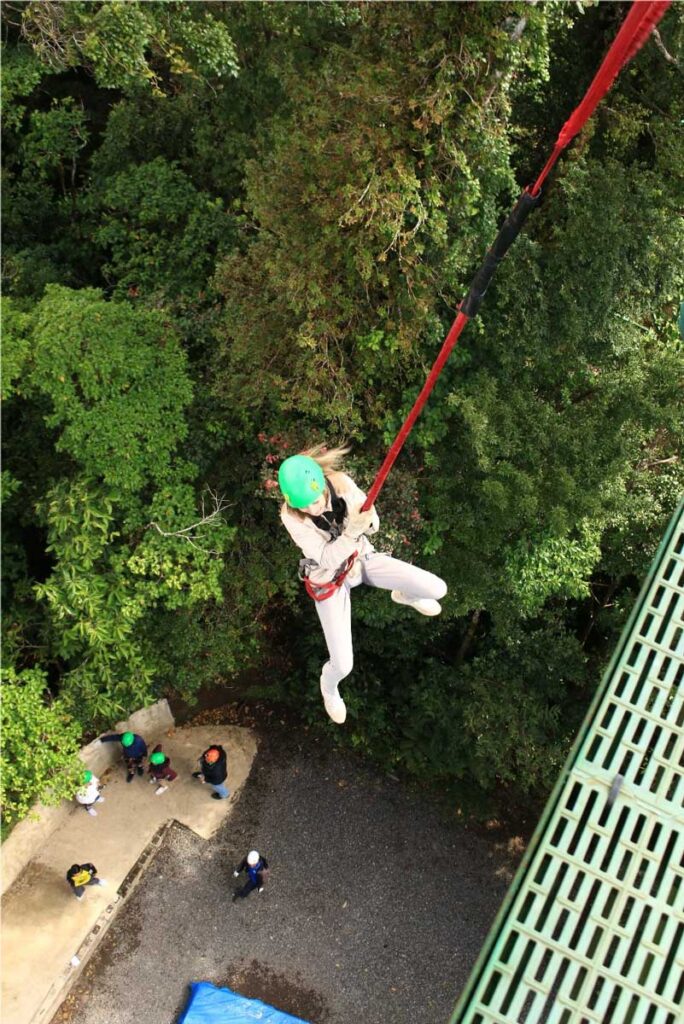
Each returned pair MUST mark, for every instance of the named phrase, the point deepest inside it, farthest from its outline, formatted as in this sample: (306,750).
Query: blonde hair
(330,460)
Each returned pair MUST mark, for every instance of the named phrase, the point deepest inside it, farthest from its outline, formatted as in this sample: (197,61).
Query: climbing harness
(322,591)
(637,26)
(333,523)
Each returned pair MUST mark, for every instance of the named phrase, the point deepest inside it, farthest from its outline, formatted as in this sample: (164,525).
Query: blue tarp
(211,1005)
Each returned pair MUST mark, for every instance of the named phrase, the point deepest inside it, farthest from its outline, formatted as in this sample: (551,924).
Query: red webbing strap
(643,16)
(449,342)
(322,591)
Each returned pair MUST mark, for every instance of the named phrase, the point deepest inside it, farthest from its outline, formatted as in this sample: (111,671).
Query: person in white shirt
(89,793)
(322,513)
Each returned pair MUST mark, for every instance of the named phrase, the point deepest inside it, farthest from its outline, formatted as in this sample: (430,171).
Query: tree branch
(661,46)
(468,638)
(209,519)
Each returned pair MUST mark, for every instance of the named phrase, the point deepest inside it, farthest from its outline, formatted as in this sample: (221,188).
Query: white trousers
(377,570)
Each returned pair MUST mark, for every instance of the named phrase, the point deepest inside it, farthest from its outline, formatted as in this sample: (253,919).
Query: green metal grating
(592,929)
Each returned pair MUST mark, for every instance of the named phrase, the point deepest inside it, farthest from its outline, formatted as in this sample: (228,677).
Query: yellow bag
(82,878)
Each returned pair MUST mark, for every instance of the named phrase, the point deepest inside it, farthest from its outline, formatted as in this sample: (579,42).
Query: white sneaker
(102,881)
(424,605)
(160,790)
(100,800)
(92,812)
(335,706)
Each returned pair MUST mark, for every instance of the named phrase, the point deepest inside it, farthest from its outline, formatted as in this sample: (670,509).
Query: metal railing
(592,928)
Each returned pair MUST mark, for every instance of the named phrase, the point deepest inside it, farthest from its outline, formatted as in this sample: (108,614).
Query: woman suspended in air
(322,513)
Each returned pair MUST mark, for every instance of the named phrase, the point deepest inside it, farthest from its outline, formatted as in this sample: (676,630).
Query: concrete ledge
(67,978)
(44,927)
(32,833)
(27,837)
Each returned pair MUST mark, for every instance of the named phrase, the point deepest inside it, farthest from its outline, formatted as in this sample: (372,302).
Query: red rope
(635,29)
(449,342)
(643,16)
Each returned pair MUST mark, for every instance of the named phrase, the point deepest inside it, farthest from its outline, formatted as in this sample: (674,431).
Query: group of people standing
(212,771)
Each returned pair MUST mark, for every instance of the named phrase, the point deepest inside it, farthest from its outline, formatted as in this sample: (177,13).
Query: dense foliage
(233,230)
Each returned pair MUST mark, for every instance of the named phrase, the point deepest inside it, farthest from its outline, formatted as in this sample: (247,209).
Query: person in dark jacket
(134,751)
(160,769)
(214,770)
(256,867)
(80,875)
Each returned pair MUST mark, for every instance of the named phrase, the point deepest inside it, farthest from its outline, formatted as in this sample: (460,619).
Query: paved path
(375,911)
(43,925)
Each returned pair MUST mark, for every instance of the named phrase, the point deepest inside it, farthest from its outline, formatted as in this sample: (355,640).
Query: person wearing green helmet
(160,770)
(134,751)
(322,513)
(88,793)
(301,481)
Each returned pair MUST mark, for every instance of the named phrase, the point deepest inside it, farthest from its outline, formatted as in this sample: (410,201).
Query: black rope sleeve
(507,234)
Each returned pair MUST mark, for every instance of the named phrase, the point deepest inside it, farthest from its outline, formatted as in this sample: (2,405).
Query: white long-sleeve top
(88,794)
(316,544)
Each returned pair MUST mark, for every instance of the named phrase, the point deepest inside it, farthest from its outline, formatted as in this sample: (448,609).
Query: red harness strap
(322,591)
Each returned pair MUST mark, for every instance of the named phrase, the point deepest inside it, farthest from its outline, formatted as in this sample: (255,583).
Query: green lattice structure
(592,929)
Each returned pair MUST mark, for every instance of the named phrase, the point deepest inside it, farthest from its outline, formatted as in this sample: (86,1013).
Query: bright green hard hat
(127,739)
(86,777)
(301,481)
(157,757)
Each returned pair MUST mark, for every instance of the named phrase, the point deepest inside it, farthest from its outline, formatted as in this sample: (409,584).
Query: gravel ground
(375,910)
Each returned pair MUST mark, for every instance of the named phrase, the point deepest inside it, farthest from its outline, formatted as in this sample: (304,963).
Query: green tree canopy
(39,745)
(234,230)
(131,44)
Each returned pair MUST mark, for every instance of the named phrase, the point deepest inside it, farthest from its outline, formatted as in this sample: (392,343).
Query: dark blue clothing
(256,877)
(255,873)
(138,747)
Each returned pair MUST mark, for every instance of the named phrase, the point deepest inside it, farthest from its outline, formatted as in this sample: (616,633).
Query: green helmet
(157,757)
(127,739)
(86,777)
(301,481)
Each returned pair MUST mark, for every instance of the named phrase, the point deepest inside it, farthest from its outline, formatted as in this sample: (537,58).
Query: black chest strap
(332,522)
